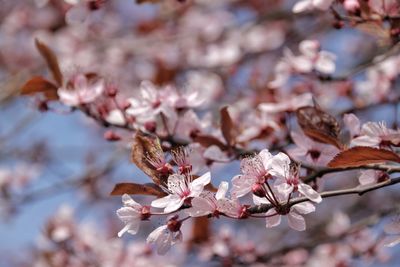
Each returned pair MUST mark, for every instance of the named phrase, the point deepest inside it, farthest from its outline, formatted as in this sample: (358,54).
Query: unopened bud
(111,136)
(174,225)
(150,126)
(112,91)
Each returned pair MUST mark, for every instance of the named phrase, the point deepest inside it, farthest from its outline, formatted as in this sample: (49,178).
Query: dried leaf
(51,60)
(228,128)
(142,147)
(40,85)
(137,189)
(209,140)
(319,125)
(362,155)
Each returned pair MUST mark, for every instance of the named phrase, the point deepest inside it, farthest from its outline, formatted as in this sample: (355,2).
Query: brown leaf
(209,140)
(40,85)
(144,146)
(362,155)
(228,128)
(51,60)
(137,189)
(319,125)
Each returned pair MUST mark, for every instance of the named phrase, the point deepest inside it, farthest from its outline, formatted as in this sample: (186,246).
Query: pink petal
(302,6)
(161,202)
(273,220)
(241,185)
(296,221)
(304,208)
(309,193)
(222,190)
(200,207)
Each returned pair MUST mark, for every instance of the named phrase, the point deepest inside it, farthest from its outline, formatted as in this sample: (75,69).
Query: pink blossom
(287,104)
(207,202)
(304,5)
(181,187)
(376,134)
(295,220)
(165,236)
(131,214)
(80,90)
(255,170)
(372,176)
(307,150)
(288,180)
(392,228)
(352,124)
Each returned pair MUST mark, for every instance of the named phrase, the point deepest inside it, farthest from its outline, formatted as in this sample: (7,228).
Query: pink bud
(150,126)
(174,225)
(111,136)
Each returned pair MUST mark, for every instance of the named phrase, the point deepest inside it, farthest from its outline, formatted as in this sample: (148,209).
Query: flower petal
(222,190)
(309,192)
(296,221)
(273,220)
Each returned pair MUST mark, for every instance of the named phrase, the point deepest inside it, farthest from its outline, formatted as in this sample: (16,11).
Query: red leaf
(137,189)
(51,60)
(228,128)
(40,85)
(319,125)
(362,155)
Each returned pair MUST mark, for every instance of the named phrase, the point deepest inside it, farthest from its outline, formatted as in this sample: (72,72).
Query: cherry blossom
(392,228)
(288,180)
(307,150)
(131,214)
(180,188)
(80,90)
(207,202)
(305,5)
(376,134)
(372,176)
(165,236)
(255,170)
(294,213)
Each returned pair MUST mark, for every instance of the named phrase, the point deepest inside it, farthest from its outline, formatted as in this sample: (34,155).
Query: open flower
(307,150)
(288,180)
(255,170)
(80,90)
(207,202)
(164,237)
(131,214)
(181,187)
(294,214)
(376,134)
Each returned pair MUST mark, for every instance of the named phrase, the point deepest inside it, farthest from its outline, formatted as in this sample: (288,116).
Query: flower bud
(111,136)
(174,225)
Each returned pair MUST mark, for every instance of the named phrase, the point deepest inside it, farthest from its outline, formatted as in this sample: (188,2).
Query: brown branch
(319,172)
(359,190)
